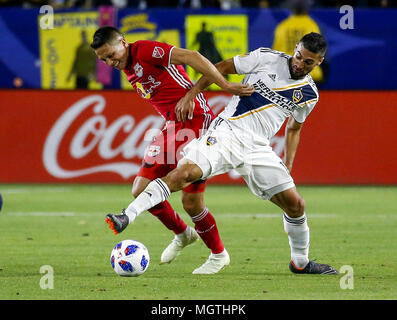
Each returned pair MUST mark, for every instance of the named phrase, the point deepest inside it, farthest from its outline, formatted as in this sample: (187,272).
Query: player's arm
(292,137)
(224,67)
(202,65)
(185,106)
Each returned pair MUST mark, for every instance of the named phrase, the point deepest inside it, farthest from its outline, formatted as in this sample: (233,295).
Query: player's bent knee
(182,176)
(135,192)
(296,208)
(139,185)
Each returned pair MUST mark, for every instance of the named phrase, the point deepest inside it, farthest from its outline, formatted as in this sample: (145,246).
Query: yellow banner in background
(141,22)
(67,60)
(217,37)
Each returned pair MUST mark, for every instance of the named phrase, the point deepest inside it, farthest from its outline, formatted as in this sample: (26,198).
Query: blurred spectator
(84,64)
(382,3)
(230,4)
(289,31)
(206,42)
(136,4)
(260,3)
(197,4)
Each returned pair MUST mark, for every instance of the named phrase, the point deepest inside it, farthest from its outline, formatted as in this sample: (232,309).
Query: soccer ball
(129,258)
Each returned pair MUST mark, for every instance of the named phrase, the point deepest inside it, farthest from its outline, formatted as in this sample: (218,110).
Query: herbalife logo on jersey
(280,101)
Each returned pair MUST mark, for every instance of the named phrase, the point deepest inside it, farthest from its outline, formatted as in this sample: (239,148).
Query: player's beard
(295,75)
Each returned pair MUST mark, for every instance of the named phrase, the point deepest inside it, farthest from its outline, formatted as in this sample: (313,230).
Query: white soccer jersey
(276,96)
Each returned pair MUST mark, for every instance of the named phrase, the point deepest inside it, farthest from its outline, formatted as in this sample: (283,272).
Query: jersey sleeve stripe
(251,112)
(249,103)
(186,84)
(178,77)
(307,93)
(202,101)
(169,56)
(175,74)
(292,86)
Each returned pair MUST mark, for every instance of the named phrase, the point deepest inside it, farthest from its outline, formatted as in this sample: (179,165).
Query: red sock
(205,226)
(164,212)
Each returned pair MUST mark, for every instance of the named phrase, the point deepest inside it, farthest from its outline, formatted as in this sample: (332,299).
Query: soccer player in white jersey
(239,139)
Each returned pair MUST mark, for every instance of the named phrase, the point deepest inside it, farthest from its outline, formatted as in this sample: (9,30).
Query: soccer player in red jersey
(155,71)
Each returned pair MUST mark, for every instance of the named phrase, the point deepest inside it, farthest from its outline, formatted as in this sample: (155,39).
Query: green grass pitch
(63,226)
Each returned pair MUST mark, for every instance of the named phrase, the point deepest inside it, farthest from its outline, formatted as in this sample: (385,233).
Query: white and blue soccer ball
(130,258)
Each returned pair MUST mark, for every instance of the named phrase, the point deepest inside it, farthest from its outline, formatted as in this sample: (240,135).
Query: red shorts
(163,154)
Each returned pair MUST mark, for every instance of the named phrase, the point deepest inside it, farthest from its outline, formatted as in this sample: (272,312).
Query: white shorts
(219,151)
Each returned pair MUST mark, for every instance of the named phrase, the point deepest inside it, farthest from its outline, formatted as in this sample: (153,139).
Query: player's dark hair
(315,43)
(104,35)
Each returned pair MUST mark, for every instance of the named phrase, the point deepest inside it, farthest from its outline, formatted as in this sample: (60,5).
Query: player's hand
(184,109)
(240,89)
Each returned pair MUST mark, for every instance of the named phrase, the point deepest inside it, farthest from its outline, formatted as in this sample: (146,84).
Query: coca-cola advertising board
(101,136)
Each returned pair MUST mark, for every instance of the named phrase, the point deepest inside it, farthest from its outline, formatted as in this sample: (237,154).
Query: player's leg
(211,158)
(201,160)
(155,164)
(159,190)
(193,204)
(267,177)
(206,227)
(296,227)
(163,211)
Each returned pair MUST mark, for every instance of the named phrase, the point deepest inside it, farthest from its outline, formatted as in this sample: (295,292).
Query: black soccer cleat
(313,268)
(117,222)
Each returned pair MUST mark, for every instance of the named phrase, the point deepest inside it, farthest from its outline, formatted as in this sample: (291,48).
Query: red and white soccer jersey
(163,84)
(153,77)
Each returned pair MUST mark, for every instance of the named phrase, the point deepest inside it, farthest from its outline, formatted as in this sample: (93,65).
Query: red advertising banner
(101,136)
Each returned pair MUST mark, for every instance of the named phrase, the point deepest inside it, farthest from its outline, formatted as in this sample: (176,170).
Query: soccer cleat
(117,222)
(180,241)
(313,268)
(214,263)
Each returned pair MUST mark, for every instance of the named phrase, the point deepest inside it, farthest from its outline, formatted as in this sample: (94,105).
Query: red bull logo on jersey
(153,151)
(138,70)
(145,89)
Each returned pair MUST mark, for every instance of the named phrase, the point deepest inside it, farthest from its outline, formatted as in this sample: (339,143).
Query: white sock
(220,255)
(156,192)
(299,239)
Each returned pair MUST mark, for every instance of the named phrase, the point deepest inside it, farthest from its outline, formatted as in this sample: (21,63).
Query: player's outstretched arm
(185,107)
(202,65)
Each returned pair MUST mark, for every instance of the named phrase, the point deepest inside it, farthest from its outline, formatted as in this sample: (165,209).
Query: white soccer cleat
(180,241)
(214,263)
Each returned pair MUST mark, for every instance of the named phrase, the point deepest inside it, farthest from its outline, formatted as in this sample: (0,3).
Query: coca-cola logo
(101,135)
(78,138)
